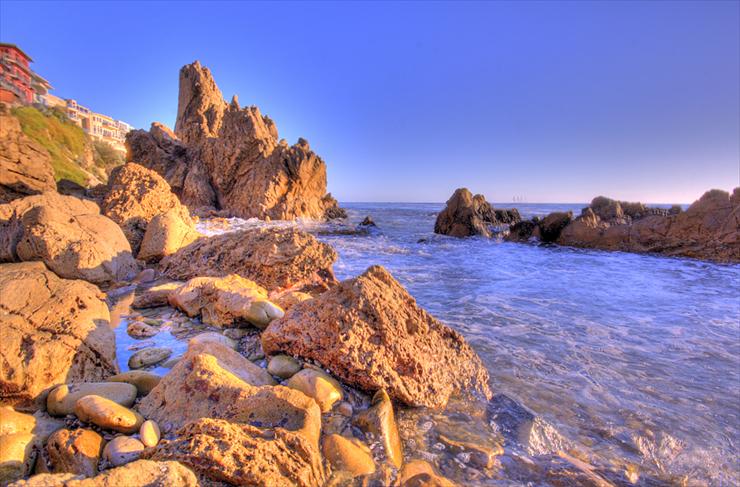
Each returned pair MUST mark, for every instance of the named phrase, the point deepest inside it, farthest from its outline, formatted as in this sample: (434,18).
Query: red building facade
(15,75)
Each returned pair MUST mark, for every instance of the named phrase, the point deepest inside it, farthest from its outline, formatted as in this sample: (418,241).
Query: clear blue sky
(556,102)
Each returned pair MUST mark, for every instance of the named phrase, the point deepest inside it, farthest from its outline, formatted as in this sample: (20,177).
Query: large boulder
(231,425)
(273,258)
(25,165)
(165,234)
(466,215)
(708,229)
(135,196)
(370,333)
(231,158)
(53,331)
(551,226)
(68,234)
(138,473)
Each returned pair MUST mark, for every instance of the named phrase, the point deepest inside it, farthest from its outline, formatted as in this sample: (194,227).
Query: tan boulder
(370,333)
(275,259)
(53,331)
(232,361)
(283,366)
(380,420)
(348,454)
(18,452)
(122,450)
(323,388)
(74,451)
(107,414)
(165,234)
(39,424)
(242,454)
(135,196)
(25,165)
(465,215)
(138,473)
(224,301)
(62,399)
(69,235)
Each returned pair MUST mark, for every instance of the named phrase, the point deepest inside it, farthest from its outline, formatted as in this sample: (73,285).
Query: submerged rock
(380,420)
(370,333)
(53,331)
(149,356)
(231,158)
(348,454)
(69,235)
(135,196)
(225,301)
(273,258)
(419,473)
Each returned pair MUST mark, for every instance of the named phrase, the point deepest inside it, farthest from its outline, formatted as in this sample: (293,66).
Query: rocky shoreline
(709,229)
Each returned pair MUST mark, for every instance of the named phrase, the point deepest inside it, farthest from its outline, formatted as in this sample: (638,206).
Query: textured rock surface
(230,158)
(224,301)
(68,234)
(165,234)
(25,166)
(242,454)
(370,333)
(467,215)
(139,473)
(75,452)
(135,196)
(708,229)
(273,258)
(53,331)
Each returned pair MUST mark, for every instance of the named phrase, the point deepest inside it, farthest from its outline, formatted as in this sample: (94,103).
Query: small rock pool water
(608,366)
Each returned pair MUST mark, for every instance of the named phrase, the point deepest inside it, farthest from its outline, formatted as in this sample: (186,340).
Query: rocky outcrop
(231,159)
(53,331)
(370,333)
(135,196)
(69,235)
(708,229)
(25,165)
(165,234)
(273,258)
(467,215)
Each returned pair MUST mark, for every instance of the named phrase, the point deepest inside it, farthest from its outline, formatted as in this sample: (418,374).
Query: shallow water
(631,362)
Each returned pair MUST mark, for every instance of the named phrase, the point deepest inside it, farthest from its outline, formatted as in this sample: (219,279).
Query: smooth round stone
(141,379)
(212,337)
(122,449)
(62,399)
(323,388)
(139,329)
(348,454)
(261,313)
(283,366)
(148,356)
(147,275)
(345,409)
(149,433)
(108,414)
(18,453)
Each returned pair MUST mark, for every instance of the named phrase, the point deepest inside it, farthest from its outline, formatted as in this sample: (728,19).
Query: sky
(543,101)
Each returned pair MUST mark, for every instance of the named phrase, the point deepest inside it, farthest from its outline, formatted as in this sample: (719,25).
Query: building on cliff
(99,126)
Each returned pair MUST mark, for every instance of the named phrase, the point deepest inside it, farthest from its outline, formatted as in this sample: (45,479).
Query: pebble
(479,455)
(62,399)
(122,449)
(318,385)
(345,409)
(143,381)
(139,329)
(149,433)
(148,356)
(108,414)
(283,366)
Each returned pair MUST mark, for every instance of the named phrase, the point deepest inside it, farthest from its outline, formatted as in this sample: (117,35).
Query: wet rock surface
(356,324)
(53,330)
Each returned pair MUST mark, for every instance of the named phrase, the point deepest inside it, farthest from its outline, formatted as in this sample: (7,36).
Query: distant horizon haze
(547,101)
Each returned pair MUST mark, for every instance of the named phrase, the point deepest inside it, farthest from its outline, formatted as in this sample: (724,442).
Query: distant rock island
(709,229)
(227,158)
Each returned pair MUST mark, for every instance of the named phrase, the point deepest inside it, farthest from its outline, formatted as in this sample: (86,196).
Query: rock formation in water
(230,158)
(709,229)
(467,215)
(370,333)
(25,165)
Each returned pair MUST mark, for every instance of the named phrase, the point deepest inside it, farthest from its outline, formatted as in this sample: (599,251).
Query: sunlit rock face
(231,159)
